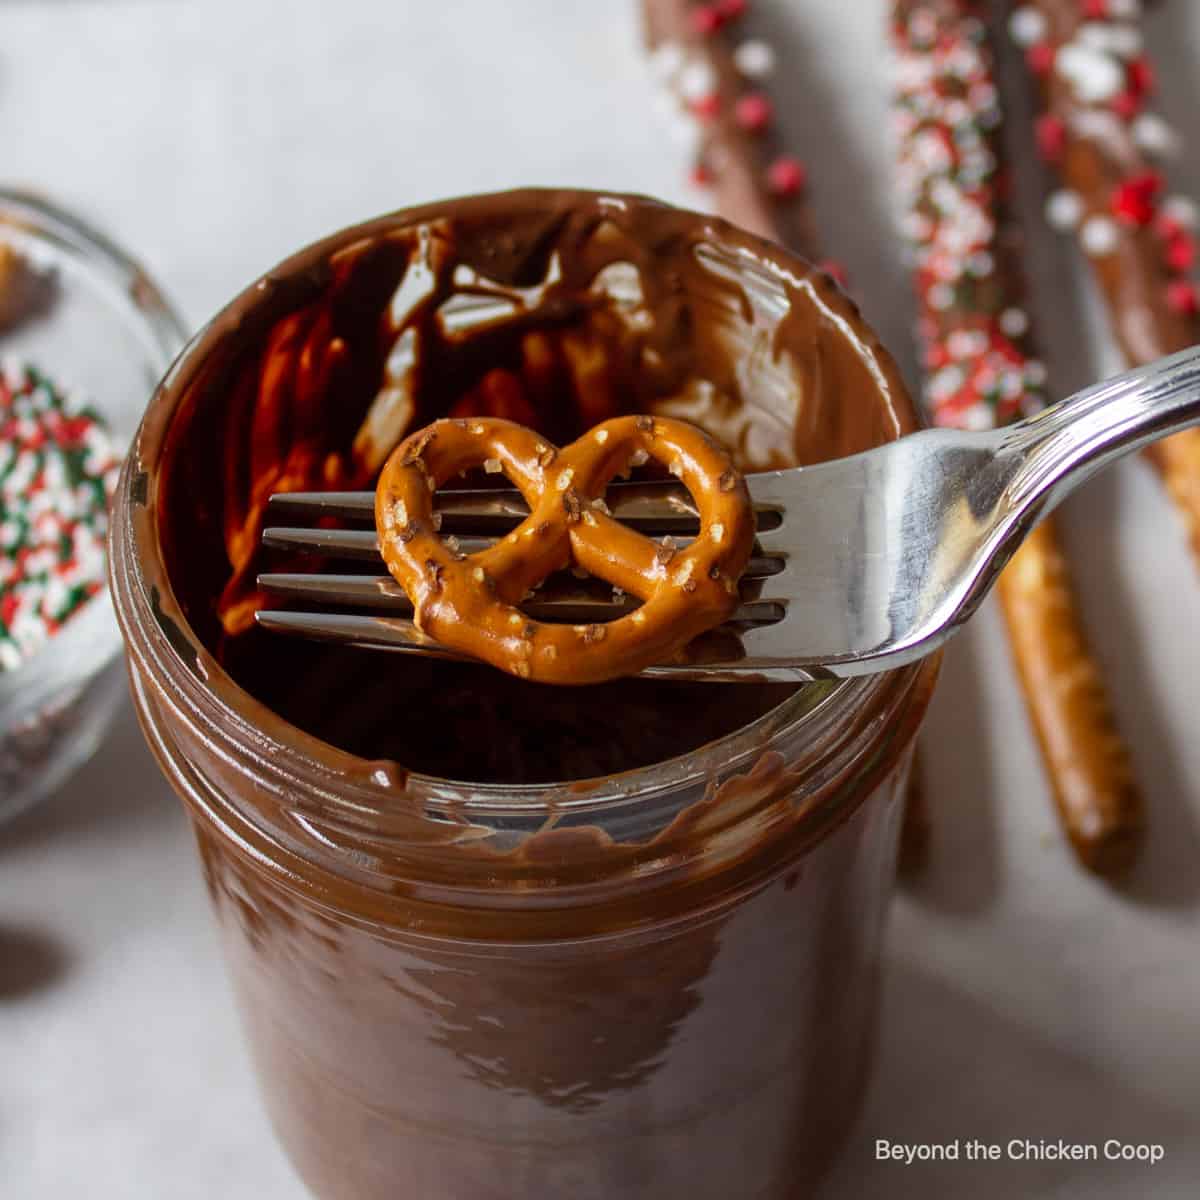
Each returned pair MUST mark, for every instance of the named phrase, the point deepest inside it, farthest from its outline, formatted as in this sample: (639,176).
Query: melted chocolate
(555,309)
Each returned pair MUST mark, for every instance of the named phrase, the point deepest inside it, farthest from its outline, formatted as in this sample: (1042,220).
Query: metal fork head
(372,610)
(848,560)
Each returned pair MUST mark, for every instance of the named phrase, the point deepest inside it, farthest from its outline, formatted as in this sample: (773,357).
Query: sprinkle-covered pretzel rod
(712,82)
(980,372)
(1107,148)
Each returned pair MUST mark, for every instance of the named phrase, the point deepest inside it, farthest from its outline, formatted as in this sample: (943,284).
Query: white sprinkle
(600,506)
(478,575)
(477,429)
(1153,135)
(1095,35)
(1035,373)
(941,297)
(697,80)
(1125,41)
(492,466)
(638,617)
(1099,236)
(666,61)
(676,468)
(1095,76)
(602,436)
(639,458)
(1027,26)
(981,264)
(1064,210)
(978,417)
(1183,210)
(515,618)
(1014,322)
(564,479)
(717,533)
(755,59)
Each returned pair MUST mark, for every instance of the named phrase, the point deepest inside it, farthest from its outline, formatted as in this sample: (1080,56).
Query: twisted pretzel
(469,602)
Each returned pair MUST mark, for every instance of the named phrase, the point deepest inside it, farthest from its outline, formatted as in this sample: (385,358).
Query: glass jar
(105,331)
(655,985)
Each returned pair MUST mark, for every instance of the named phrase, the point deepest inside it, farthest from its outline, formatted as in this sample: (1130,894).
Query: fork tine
(654,507)
(387,633)
(346,543)
(314,505)
(362,544)
(571,605)
(402,636)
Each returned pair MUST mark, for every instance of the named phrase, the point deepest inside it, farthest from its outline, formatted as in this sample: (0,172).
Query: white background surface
(1023,999)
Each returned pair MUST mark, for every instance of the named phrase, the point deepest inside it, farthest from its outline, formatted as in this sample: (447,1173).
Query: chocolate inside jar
(554,309)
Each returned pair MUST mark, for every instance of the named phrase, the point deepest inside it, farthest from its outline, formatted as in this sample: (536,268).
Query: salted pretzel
(470,603)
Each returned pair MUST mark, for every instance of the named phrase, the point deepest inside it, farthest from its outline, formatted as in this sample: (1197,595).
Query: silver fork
(861,565)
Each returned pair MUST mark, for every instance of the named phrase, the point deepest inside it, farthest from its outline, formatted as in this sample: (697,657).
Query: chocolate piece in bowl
(492,937)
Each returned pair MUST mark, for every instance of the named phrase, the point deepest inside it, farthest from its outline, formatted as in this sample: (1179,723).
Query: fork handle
(1066,444)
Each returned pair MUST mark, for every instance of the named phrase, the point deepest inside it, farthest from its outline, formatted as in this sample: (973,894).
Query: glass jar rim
(159,634)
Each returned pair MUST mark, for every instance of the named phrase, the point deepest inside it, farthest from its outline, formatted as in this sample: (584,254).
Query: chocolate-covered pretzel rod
(980,372)
(712,76)
(1095,83)
(712,89)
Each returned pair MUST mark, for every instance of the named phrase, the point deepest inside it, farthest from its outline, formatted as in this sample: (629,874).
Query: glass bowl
(103,331)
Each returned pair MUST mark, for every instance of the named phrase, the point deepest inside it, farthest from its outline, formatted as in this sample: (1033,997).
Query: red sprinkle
(730,10)
(1135,200)
(786,176)
(1127,104)
(1182,298)
(753,111)
(1181,252)
(1141,76)
(701,176)
(1040,58)
(1095,10)
(707,108)
(1051,137)
(706,20)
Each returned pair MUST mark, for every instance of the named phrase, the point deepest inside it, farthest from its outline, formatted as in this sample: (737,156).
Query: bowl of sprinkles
(85,335)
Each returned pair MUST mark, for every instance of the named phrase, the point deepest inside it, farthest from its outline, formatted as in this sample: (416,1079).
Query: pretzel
(981,372)
(470,602)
